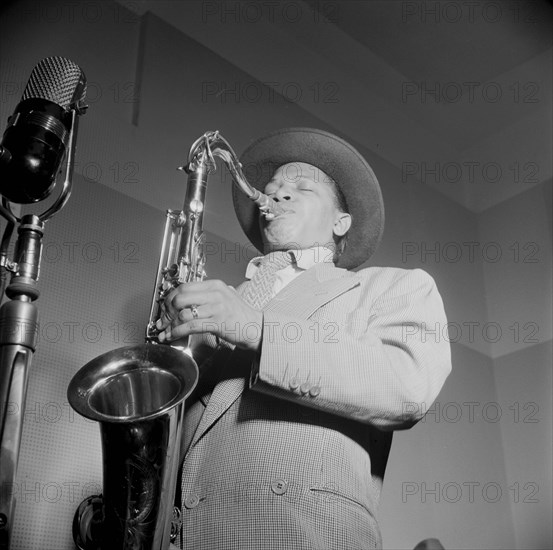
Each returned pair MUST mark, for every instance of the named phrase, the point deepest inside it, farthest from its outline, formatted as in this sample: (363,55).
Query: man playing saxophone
(308,367)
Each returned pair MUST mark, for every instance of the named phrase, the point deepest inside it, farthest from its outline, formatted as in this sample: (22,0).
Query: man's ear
(342,224)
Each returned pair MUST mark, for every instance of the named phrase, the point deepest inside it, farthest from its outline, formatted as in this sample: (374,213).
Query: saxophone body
(138,393)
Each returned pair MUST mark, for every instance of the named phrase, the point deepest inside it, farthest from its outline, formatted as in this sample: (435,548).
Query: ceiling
(457,95)
(461,41)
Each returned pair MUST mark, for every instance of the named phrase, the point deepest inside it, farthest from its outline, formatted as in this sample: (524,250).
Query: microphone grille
(58,80)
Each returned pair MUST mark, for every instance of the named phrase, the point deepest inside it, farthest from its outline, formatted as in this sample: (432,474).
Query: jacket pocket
(332,495)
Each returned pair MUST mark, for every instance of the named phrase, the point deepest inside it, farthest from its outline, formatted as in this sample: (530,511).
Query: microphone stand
(19,331)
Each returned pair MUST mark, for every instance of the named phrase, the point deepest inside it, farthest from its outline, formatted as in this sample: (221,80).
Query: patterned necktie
(256,292)
(259,290)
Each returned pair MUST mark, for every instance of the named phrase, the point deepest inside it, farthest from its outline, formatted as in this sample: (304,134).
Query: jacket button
(304,388)
(294,383)
(191,501)
(314,391)
(279,486)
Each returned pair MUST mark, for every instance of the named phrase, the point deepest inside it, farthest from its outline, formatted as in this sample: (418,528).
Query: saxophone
(137,393)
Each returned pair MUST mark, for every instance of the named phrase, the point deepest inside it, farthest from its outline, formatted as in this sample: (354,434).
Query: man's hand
(210,306)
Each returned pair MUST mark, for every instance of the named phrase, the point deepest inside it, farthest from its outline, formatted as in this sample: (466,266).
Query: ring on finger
(194,311)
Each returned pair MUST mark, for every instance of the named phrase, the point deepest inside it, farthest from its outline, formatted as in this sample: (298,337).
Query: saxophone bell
(137,394)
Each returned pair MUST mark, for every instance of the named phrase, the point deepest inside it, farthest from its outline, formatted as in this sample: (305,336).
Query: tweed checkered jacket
(290,448)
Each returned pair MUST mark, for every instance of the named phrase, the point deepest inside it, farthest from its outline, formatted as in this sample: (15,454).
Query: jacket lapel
(312,290)
(308,292)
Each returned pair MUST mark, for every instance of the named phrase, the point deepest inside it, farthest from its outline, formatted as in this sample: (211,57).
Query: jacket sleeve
(385,365)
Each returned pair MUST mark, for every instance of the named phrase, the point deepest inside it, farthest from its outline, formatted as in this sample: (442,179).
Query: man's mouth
(281,214)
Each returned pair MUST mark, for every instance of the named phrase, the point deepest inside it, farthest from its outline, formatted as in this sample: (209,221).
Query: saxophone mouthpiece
(268,207)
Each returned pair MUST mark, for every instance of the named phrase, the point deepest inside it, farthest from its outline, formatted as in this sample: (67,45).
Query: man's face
(310,216)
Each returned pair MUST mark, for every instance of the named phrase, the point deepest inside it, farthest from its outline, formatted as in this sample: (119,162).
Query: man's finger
(189,299)
(185,329)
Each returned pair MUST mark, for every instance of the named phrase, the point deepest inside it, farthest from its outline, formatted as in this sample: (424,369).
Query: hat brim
(336,158)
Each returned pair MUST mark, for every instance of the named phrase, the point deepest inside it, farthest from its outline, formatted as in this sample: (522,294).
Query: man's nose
(282,194)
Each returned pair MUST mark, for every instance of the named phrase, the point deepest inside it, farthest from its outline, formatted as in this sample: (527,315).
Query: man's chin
(280,240)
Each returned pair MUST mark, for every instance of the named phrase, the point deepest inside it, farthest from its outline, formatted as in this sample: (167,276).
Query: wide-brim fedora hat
(336,158)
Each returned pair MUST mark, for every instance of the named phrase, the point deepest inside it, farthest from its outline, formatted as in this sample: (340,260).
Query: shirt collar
(302,259)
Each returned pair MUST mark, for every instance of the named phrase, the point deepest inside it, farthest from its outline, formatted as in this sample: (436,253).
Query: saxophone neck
(202,158)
